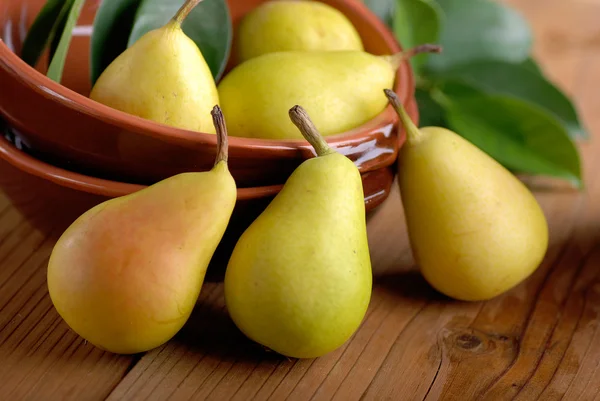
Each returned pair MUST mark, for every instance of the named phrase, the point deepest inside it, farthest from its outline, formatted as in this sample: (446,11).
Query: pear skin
(475,229)
(286,25)
(299,279)
(162,77)
(340,90)
(126,274)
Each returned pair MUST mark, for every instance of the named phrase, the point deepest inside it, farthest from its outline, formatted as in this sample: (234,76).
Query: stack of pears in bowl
(151,120)
(146,116)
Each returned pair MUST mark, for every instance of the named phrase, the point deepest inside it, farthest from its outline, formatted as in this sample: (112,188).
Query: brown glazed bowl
(61,125)
(51,198)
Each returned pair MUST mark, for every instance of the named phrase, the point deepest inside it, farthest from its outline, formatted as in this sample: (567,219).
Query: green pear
(475,230)
(285,25)
(162,77)
(341,90)
(299,278)
(126,274)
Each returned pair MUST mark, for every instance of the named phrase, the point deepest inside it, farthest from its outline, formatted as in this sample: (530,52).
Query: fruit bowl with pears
(89,119)
(108,125)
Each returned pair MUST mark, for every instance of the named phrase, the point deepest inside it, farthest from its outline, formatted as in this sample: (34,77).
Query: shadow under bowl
(60,124)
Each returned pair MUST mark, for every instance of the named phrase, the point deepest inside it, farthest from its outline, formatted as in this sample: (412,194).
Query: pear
(475,230)
(339,89)
(285,25)
(299,278)
(162,77)
(126,274)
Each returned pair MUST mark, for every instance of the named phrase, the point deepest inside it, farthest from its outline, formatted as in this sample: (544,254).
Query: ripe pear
(126,274)
(299,278)
(476,231)
(162,77)
(339,89)
(285,25)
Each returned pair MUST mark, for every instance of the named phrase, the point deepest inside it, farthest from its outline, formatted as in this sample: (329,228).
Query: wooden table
(538,341)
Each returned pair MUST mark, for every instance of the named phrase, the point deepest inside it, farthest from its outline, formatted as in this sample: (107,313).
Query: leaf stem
(185,9)
(222,140)
(396,59)
(57,64)
(301,119)
(413,135)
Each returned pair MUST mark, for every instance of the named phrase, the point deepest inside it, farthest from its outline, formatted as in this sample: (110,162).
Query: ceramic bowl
(51,198)
(60,124)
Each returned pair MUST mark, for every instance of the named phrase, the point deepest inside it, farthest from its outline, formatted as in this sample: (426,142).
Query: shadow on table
(408,285)
(211,331)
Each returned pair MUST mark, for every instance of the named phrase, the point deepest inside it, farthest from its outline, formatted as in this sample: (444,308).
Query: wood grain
(540,340)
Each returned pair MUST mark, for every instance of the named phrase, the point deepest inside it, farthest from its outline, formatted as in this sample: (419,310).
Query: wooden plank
(40,358)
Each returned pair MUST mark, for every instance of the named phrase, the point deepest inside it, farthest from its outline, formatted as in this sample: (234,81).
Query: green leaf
(520,135)
(479,30)
(496,77)
(417,22)
(457,88)
(208,25)
(431,114)
(532,65)
(111,29)
(60,27)
(384,9)
(43,30)
(55,69)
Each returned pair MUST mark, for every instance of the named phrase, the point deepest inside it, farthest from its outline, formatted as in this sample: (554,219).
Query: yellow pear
(476,230)
(284,25)
(299,278)
(162,77)
(339,89)
(126,274)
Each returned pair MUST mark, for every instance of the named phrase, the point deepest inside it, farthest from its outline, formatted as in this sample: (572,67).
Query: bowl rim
(404,86)
(94,185)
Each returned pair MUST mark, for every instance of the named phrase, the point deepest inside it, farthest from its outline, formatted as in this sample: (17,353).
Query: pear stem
(185,9)
(300,118)
(413,135)
(397,59)
(222,142)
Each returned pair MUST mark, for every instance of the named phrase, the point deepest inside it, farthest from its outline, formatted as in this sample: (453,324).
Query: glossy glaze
(60,124)
(26,179)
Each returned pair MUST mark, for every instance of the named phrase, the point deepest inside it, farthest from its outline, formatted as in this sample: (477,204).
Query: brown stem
(413,135)
(184,10)
(300,118)
(397,59)
(425,48)
(222,142)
